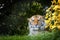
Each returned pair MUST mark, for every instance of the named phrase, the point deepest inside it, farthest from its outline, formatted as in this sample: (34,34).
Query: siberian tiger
(36,23)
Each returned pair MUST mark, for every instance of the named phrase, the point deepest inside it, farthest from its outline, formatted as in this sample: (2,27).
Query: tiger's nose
(36,23)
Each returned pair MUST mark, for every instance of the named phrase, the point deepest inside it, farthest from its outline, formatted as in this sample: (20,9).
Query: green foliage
(16,22)
(35,8)
(56,34)
(41,36)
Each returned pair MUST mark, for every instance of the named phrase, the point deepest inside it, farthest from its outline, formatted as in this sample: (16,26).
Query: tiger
(36,24)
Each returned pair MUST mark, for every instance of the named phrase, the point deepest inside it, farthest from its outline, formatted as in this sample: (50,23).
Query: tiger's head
(36,20)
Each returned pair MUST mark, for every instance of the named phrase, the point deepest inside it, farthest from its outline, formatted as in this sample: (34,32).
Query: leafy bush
(16,22)
(35,8)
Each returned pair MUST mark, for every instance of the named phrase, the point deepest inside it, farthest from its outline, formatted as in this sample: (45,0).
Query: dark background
(13,15)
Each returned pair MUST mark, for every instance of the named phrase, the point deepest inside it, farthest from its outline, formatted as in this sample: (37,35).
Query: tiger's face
(36,24)
(36,20)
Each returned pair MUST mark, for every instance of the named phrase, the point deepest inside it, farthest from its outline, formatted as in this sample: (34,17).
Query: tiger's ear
(42,16)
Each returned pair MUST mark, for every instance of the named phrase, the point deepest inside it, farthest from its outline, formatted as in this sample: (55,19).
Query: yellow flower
(59,15)
(58,18)
(54,17)
(55,23)
(58,27)
(55,8)
(54,1)
(46,17)
(54,13)
(59,1)
(49,19)
(47,14)
(46,27)
(47,22)
(50,14)
(48,10)
(52,27)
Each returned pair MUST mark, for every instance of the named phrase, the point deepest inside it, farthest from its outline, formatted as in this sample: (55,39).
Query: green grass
(40,36)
